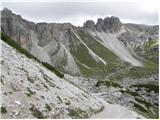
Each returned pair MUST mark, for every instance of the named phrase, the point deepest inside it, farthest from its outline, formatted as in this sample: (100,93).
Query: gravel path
(115,111)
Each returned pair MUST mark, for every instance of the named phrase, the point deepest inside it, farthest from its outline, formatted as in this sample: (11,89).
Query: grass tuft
(3,110)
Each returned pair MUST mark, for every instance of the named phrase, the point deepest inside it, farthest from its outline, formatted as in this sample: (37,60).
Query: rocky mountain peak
(6,11)
(108,24)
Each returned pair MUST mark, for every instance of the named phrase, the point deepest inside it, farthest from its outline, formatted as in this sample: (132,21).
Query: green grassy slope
(149,51)
(83,58)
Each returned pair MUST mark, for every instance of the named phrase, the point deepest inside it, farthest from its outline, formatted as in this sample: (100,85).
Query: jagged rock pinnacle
(108,24)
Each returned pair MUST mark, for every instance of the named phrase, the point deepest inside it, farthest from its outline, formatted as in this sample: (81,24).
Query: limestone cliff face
(16,27)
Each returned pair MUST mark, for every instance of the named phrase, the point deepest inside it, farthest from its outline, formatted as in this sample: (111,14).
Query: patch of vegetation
(142,72)
(59,74)
(48,107)
(30,92)
(43,97)
(49,81)
(147,104)
(2,77)
(10,92)
(149,51)
(5,93)
(149,87)
(139,107)
(15,87)
(45,86)
(144,107)
(59,99)
(133,72)
(77,113)
(67,103)
(30,79)
(108,84)
(3,110)
(12,43)
(130,92)
(150,112)
(36,113)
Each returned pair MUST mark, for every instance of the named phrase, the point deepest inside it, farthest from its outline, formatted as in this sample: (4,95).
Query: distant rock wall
(108,24)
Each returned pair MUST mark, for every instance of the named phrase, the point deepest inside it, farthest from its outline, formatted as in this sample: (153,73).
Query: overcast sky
(139,11)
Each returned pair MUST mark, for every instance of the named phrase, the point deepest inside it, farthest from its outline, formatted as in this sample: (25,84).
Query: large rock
(109,24)
(100,24)
(89,25)
(115,24)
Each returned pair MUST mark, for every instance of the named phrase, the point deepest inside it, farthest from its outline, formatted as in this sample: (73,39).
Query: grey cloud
(78,12)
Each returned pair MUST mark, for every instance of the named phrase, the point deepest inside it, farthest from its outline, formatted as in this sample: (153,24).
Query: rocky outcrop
(14,26)
(46,32)
(136,35)
(115,24)
(89,25)
(100,25)
(109,24)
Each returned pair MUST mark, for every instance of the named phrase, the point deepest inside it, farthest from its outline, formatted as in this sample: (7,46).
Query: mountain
(110,59)
(87,50)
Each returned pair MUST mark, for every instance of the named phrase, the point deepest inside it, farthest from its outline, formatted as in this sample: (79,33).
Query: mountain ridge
(46,39)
